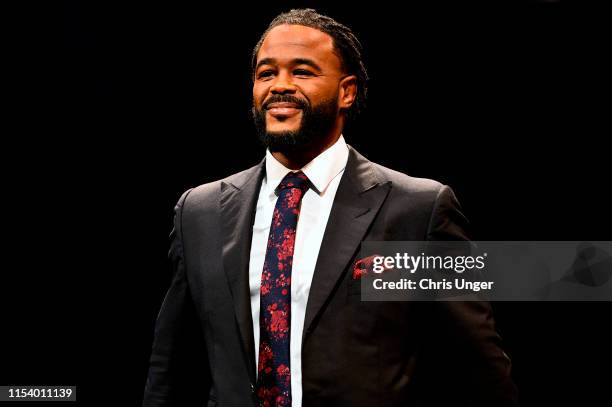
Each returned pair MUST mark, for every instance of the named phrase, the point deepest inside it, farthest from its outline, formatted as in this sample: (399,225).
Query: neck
(297,159)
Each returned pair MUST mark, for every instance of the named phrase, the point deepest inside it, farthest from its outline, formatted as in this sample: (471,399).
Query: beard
(315,125)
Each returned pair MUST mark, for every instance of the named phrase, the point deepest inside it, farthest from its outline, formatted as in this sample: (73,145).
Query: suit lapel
(238,204)
(358,199)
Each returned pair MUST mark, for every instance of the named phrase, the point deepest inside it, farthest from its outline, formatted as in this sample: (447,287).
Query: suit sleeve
(464,347)
(178,373)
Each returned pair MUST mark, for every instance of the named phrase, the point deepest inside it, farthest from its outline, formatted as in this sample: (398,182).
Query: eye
(302,72)
(265,74)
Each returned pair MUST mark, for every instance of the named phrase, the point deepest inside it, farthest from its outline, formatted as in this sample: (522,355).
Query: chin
(281,130)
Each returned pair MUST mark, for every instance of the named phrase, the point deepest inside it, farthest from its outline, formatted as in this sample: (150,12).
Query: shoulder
(425,199)
(207,195)
(371,172)
(417,197)
(422,190)
(407,183)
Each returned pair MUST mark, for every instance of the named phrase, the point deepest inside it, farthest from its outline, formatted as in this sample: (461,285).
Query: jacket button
(252,388)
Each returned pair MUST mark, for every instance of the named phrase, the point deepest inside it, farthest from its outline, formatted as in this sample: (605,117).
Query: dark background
(120,107)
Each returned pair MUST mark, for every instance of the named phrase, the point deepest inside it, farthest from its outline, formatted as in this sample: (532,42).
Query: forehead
(286,42)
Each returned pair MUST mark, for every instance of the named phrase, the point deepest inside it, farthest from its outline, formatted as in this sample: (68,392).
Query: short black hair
(346,45)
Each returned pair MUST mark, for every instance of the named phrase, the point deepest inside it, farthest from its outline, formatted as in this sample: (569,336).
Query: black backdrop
(135,102)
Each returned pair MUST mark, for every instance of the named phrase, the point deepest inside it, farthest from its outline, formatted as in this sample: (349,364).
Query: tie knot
(294,180)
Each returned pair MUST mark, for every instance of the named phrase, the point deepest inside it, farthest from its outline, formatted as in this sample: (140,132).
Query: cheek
(322,93)
(259,94)
(324,98)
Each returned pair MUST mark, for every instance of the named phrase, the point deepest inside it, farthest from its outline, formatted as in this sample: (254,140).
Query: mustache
(302,104)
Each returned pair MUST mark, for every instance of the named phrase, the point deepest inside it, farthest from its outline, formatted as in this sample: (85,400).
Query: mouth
(283,109)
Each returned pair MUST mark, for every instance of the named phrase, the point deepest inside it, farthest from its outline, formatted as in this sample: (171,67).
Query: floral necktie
(274,378)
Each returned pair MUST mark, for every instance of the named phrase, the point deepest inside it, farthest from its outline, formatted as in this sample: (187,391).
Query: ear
(348,92)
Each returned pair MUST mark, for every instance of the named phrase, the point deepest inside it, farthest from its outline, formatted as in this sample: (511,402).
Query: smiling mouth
(283,109)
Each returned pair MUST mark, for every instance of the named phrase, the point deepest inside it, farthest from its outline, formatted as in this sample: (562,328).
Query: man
(263,309)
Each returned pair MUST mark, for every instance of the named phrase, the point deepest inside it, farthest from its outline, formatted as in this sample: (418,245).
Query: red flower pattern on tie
(274,373)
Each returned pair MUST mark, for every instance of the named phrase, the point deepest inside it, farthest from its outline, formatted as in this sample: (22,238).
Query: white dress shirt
(324,172)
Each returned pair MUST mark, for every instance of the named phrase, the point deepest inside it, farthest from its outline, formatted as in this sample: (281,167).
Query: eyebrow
(296,61)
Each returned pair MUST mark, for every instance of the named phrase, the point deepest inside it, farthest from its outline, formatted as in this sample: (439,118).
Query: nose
(282,85)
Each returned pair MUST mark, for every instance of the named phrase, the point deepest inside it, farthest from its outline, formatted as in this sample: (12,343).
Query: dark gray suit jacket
(354,353)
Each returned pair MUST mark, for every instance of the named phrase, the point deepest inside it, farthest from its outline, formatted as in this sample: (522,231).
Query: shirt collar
(320,171)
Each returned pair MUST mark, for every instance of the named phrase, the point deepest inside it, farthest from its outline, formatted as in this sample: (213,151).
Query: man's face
(296,86)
